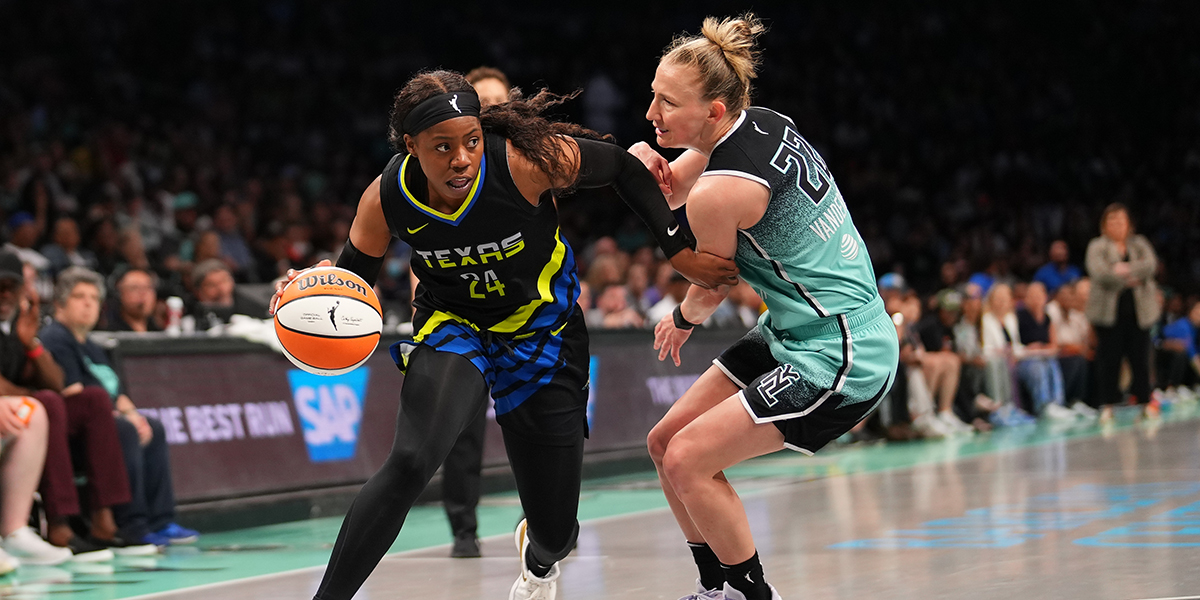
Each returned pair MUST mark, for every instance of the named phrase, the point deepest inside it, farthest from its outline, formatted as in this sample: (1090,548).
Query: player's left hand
(704,269)
(668,338)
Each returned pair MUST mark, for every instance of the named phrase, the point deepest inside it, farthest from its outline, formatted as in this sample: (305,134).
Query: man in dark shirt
(136,302)
(149,516)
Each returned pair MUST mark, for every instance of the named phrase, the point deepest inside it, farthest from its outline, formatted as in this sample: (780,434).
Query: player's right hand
(282,283)
(10,423)
(659,167)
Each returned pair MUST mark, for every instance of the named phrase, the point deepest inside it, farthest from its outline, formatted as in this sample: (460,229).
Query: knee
(408,465)
(657,442)
(128,435)
(677,466)
(95,399)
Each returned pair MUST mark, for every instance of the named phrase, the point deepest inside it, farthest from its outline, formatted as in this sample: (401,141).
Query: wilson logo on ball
(328,321)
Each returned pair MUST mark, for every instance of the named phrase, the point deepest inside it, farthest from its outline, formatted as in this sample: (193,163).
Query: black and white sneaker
(88,551)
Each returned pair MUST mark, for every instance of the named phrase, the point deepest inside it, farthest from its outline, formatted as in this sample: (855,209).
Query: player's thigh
(723,436)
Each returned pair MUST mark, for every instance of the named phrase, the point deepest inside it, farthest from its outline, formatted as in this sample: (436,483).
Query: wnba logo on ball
(329,279)
(330,410)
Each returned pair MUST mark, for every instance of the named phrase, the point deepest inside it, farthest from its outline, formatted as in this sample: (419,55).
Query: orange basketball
(328,320)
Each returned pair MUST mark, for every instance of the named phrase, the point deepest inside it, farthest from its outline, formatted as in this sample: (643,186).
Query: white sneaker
(1059,412)
(1084,410)
(528,586)
(1185,394)
(703,594)
(31,549)
(731,593)
(8,564)
(953,423)
(930,427)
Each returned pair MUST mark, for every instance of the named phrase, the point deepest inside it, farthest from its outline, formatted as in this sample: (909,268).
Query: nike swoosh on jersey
(672,230)
(417,229)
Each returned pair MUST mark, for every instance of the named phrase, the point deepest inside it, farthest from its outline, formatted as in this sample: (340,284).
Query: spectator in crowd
(1178,360)
(148,519)
(1058,271)
(233,246)
(216,302)
(104,245)
(613,310)
(136,304)
(27,369)
(1036,352)
(23,441)
(674,292)
(1075,348)
(973,400)
(941,365)
(23,232)
(921,395)
(999,333)
(1122,306)
(63,251)
(637,281)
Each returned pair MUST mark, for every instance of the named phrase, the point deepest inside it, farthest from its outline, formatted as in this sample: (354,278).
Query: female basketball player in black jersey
(474,194)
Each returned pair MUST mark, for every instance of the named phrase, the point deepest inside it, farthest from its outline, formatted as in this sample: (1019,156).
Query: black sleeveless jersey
(499,263)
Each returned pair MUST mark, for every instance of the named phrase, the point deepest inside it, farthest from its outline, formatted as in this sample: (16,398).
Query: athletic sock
(747,578)
(712,576)
(540,571)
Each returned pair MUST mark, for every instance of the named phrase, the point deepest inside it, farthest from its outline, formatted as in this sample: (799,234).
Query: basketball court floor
(1034,512)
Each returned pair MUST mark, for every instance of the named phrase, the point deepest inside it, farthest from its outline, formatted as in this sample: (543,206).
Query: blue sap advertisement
(330,410)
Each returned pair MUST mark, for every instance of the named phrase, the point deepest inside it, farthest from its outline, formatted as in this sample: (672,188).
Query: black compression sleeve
(363,265)
(601,164)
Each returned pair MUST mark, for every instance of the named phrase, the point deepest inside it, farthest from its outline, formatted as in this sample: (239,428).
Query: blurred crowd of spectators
(159,137)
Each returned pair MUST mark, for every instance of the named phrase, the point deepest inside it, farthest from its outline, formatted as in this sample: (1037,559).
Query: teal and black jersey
(804,257)
(497,264)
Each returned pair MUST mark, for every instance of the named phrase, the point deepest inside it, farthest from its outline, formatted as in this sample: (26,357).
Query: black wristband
(352,259)
(680,322)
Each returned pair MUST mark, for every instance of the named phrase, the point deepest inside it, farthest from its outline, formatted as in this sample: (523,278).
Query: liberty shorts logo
(454,103)
(330,411)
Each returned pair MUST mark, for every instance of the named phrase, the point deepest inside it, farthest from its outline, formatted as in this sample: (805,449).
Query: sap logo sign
(330,410)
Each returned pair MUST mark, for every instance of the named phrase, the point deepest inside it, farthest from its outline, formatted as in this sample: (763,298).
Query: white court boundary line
(1175,598)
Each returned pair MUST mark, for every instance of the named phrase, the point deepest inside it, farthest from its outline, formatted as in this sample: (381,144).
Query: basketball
(328,321)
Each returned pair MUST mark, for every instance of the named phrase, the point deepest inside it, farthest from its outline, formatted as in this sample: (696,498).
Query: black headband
(440,108)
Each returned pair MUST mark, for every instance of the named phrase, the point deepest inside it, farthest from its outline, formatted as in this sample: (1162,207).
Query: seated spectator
(1075,347)
(613,310)
(920,400)
(23,445)
(136,303)
(63,251)
(149,517)
(216,302)
(973,401)
(999,333)
(233,245)
(27,369)
(1036,351)
(942,367)
(1178,360)
(1058,271)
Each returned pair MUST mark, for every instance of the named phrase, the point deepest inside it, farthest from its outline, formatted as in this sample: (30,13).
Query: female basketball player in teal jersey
(473,193)
(823,354)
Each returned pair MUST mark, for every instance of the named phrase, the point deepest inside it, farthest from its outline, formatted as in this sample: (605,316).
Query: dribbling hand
(291,274)
(668,338)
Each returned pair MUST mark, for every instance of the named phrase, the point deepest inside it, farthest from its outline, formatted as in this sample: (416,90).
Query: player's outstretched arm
(364,250)
(598,164)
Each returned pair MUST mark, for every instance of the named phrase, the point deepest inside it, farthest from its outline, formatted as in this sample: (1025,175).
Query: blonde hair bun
(725,56)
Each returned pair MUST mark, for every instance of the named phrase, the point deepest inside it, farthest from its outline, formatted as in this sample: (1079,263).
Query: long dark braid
(520,120)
